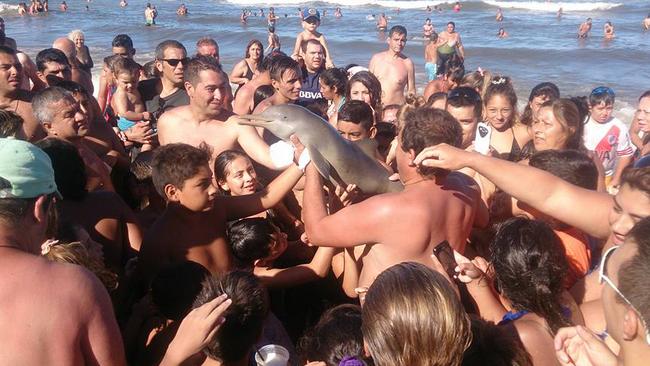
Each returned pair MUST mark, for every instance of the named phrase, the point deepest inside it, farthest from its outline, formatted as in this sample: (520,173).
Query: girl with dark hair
(333,85)
(366,87)
(245,69)
(528,266)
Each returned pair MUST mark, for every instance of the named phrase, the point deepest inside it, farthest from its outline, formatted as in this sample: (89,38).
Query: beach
(540,47)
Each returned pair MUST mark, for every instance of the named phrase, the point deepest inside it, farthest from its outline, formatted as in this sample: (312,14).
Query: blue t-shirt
(310,88)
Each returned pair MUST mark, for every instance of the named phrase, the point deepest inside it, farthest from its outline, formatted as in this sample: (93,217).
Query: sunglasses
(603,90)
(173,62)
(602,277)
(465,94)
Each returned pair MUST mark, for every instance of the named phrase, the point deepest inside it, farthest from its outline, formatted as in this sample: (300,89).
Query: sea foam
(552,6)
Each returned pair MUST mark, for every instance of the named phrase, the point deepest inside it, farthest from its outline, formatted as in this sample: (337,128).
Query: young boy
(193,226)
(355,121)
(310,22)
(607,136)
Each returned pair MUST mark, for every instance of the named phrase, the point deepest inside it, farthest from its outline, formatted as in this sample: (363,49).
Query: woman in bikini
(245,69)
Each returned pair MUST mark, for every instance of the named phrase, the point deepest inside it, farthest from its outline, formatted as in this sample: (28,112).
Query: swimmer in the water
(182,10)
(646,23)
(499,16)
(608,30)
(337,12)
(382,22)
(428,9)
(559,13)
(427,29)
(457,7)
(502,33)
(243,17)
(583,30)
(148,15)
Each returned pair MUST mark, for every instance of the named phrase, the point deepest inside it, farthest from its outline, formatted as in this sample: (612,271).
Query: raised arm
(582,208)
(296,47)
(254,146)
(318,268)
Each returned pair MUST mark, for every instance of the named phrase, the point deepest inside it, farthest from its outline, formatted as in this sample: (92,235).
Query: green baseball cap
(25,170)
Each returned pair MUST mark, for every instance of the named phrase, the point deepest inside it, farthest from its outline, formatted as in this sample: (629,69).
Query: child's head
(310,19)
(181,174)
(601,104)
(337,335)
(256,241)
(108,68)
(236,337)
(235,174)
(175,288)
(126,73)
(433,37)
(355,121)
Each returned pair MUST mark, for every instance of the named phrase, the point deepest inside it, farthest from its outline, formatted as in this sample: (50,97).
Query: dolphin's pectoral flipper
(324,167)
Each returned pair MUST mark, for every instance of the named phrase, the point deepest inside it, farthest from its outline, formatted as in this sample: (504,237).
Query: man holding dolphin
(206,120)
(435,205)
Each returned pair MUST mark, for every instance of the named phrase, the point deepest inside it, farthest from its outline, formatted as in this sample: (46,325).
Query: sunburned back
(42,323)
(424,215)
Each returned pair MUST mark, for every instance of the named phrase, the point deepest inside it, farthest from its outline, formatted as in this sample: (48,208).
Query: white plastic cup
(272,355)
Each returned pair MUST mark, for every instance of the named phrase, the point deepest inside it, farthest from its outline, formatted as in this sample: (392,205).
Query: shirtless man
(206,120)
(77,74)
(585,27)
(244,100)
(206,46)
(394,70)
(286,79)
(435,205)
(40,296)
(14,99)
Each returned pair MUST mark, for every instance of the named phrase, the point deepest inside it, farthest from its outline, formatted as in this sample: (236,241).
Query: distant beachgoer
(382,22)
(182,10)
(397,11)
(272,18)
(450,44)
(646,23)
(273,40)
(502,33)
(310,23)
(583,30)
(457,7)
(499,16)
(123,3)
(244,16)
(337,12)
(559,13)
(608,30)
(22,9)
(83,53)
(428,9)
(245,69)
(437,8)
(427,29)
(63,6)
(431,56)
(394,69)
(261,12)
(148,15)
(300,14)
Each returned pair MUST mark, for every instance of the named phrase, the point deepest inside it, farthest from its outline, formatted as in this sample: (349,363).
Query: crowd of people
(157,226)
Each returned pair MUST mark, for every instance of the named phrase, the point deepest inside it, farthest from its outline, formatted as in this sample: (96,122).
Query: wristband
(303,160)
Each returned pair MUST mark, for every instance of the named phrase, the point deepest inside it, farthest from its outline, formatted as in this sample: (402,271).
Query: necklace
(415,182)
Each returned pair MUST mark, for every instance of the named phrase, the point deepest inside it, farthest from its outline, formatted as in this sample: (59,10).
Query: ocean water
(540,47)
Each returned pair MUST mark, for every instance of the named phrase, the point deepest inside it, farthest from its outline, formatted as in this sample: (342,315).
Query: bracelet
(303,160)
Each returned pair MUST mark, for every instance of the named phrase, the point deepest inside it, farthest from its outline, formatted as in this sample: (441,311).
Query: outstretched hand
(196,330)
(579,346)
(443,156)
(467,270)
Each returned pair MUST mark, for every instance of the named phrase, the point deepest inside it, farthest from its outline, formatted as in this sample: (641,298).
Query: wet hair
(427,127)
(261,93)
(280,65)
(633,274)
(335,78)
(412,317)
(10,123)
(250,44)
(373,85)
(573,166)
(501,85)
(123,65)
(197,64)
(357,112)
(638,179)
(69,168)
(602,94)
(397,29)
(244,317)
(50,55)
(175,163)
(124,41)
(337,335)
(43,100)
(546,89)
(477,80)
(164,45)
(464,96)
(250,239)
(175,287)
(493,345)
(531,267)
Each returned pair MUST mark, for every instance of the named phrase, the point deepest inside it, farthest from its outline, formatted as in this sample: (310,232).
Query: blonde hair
(77,253)
(412,317)
(74,34)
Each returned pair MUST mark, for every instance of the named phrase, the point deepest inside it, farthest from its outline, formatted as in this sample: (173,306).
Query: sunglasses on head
(173,62)
(603,90)
(603,278)
(465,94)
